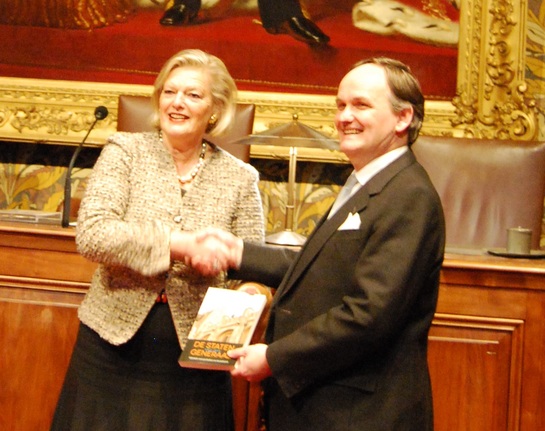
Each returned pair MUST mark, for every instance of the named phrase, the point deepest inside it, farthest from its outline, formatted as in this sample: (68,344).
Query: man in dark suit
(278,17)
(346,344)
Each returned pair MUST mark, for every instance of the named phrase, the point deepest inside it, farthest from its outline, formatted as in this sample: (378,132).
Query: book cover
(226,320)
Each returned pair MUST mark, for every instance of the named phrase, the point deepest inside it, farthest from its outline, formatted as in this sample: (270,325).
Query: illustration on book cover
(226,320)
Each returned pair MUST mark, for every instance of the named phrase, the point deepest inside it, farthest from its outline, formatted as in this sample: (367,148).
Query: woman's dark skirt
(139,386)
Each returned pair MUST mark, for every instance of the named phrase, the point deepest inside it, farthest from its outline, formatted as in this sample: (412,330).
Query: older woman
(148,192)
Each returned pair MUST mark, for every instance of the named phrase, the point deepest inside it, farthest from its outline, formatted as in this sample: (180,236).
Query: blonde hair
(224,90)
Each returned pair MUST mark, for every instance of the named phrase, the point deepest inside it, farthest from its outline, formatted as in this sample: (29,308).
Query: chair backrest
(135,112)
(486,186)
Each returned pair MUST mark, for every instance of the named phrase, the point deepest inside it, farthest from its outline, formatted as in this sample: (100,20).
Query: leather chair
(486,186)
(134,115)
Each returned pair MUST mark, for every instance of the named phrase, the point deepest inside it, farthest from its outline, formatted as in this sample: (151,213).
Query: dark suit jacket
(349,323)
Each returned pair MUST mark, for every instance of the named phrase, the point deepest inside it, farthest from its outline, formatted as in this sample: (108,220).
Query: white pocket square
(352,222)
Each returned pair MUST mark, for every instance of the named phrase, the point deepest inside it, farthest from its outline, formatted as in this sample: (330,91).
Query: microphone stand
(100,113)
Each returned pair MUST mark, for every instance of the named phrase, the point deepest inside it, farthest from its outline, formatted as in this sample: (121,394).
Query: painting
(53,76)
(127,41)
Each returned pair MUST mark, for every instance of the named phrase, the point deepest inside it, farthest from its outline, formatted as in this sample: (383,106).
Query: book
(31,216)
(226,320)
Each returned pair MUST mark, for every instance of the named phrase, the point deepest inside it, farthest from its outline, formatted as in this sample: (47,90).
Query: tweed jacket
(349,321)
(132,203)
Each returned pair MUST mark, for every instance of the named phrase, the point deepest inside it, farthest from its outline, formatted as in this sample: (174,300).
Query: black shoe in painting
(301,29)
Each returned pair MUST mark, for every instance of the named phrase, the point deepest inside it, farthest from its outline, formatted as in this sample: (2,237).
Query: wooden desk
(487,343)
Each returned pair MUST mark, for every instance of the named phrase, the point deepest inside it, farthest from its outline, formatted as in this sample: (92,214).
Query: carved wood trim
(491,100)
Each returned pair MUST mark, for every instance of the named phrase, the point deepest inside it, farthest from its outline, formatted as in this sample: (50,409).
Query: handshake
(209,251)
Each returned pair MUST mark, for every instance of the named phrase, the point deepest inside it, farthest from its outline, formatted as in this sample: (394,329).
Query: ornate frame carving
(490,100)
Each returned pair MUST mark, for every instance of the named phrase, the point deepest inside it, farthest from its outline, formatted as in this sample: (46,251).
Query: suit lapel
(326,228)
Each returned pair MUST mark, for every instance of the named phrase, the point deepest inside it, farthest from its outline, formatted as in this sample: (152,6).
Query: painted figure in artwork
(277,16)
(432,22)
(428,21)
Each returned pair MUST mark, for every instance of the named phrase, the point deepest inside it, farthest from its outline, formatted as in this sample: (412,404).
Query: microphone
(101,112)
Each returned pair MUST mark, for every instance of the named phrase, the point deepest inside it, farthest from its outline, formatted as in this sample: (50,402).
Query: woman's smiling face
(186,103)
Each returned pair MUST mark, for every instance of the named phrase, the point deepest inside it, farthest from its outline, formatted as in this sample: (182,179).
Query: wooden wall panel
(37,333)
(475,370)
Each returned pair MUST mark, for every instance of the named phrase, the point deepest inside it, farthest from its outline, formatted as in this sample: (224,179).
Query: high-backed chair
(134,115)
(486,186)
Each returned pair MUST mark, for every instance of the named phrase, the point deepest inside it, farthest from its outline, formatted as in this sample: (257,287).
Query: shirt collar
(375,166)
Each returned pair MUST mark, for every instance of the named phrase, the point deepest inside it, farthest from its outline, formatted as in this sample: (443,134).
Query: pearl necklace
(186,179)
